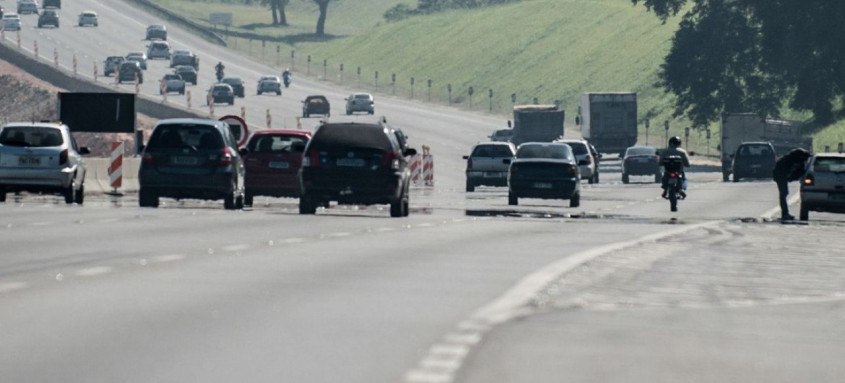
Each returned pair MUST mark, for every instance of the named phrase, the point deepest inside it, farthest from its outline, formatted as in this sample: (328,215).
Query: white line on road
(236,248)
(168,258)
(93,271)
(770,214)
(11,286)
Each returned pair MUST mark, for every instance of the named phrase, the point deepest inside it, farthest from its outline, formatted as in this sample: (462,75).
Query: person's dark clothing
(789,168)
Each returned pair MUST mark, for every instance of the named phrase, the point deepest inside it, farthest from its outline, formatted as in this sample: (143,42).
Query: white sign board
(220,19)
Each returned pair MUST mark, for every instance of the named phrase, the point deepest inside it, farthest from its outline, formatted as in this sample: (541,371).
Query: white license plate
(279,165)
(185,160)
(542,185)
(491,174)
(29,161)
(351,162)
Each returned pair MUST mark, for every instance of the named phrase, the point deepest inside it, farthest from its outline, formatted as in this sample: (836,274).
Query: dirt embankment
(28,98)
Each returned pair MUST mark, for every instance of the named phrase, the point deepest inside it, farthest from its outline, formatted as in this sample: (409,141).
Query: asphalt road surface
(466,289)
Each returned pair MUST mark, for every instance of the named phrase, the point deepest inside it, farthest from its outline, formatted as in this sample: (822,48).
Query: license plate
(29,161)
(185,160)
(279,165)
(491,174)
(351,162)
(542,185)
(673,181)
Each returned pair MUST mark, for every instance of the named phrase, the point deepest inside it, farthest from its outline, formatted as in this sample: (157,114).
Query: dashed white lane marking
(422,376)
(93,271)
(235,248)
(168,258)
(292,240)
(384,229)
(11,286)
(338,235)
(45,223)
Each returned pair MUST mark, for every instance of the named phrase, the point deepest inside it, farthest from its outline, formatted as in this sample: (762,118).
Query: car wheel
(396,208)
(306,206)
(147,198)
(306,115)
(182,91)
(590,180)
(406,208)
(229,201)
(805,212)
(625,178)
(575,200)
(80,24)
(248,198)
(258,93)
(596,177)
(513,200)
(239,202)
(231,102)
(70,194)
(79,198)
(470,186)
(348,112)
(194,82)
(372,112)
(278,93)
(2,196)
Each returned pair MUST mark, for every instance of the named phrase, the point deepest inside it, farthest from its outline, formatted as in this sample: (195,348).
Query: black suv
(753,160)
(354,163)
(129,71)
(237,85)
(192,158)
(316,105)
(48,17)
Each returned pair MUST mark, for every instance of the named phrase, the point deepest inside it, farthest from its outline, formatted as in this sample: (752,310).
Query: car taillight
(391,160)
(809,180)
(63,157)
(311,159)
(573,171)
(588,160)
(148,159)
(226,158)
(673,175)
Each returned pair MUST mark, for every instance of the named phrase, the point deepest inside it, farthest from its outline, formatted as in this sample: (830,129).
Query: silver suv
(488,163)
(823,185)
(359,102)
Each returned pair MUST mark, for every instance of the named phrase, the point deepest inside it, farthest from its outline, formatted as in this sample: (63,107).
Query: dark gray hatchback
(192,159)
(354,163)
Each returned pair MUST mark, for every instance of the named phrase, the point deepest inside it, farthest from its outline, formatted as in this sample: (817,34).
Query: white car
(587,163)
(88,18)
(11,22)
(158,50)
(28,7)
(41,158)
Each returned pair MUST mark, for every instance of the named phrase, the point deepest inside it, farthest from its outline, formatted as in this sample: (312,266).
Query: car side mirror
(410,152)
(466,157)
(84,151)
(506,161)
(243,151)
(297,148)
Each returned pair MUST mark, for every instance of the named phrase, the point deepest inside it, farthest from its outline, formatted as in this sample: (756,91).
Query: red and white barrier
(116,166)
(422,168)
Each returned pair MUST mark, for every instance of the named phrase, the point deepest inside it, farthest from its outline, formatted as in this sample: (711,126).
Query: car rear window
(357,135)
(544,151)
(277,143)
(492,151)
(34,137)
(641,152)
(578,148)
(199,137)
(754,150)
(829,164)
(362,96)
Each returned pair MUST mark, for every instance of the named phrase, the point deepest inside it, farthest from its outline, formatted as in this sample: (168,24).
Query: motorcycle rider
(674,149)
(287,76)
(219,70)
(790,167)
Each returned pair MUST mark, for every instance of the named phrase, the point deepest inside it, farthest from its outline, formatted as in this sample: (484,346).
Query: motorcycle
(220,75)
(287,78)
(673,167)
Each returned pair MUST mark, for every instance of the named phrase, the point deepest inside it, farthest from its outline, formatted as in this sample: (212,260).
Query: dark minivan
(192,158)
(354,163)
(753,160)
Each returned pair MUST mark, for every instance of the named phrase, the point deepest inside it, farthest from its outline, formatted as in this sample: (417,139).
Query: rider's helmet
(675,142)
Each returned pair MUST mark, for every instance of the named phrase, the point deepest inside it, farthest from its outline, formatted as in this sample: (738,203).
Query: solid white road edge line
(770,214)
(444,359)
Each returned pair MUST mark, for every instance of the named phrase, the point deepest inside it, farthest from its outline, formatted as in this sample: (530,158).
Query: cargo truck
(737,128)
(537,123)
(608,120)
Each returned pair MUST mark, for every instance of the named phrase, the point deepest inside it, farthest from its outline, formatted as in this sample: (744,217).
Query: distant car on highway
(221,93)
(41,157)
(641,161)
(487,164)
(48,17)
(236,83)
(184,57)
(360,102)
(12,22)
(156,31)
(545,170)
(273,159)
(269,84)
(823,185)
(138,56)
(187,72)
(191,159)
(172,83)
(587,162)
(88,18)
(753,160)
(112,64)
(354,163)
(158,50)
(27,7)
(316,104)
(128,71)
(52,4)
(501,135)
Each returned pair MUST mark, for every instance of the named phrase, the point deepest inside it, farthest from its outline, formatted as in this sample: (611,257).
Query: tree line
(277,10)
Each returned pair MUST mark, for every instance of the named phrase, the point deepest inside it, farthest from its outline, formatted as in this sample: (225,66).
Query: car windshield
(553,151)
(829,164)
(631,152)
(185,136)
(276,143)
(492,151)
(31,136)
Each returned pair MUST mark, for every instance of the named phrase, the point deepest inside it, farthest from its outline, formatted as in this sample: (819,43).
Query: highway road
(466,289)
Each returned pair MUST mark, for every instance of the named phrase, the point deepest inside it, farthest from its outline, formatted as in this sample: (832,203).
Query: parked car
(88,18)
(487,165)
(172,83)
(359,102)
(544,170)
(11,22)
(41,158)
(128,71)
(48,17)
(823,185)
(588,163)
(184,57)
(156,32)
(220,93)
(140,57)
(187,72)
(269,84)
(112,64)
(753,160)
(158,50)
(273,159)
(354,163)
(27,7)
(236,83)
(641,161)
(190,158)
(316,105)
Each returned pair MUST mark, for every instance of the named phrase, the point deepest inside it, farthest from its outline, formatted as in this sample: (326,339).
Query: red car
(273,159)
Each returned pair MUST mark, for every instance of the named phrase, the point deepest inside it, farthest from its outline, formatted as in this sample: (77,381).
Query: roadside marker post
(188,98)
(116,166)
(56,56)
(269,120)
(35,48)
